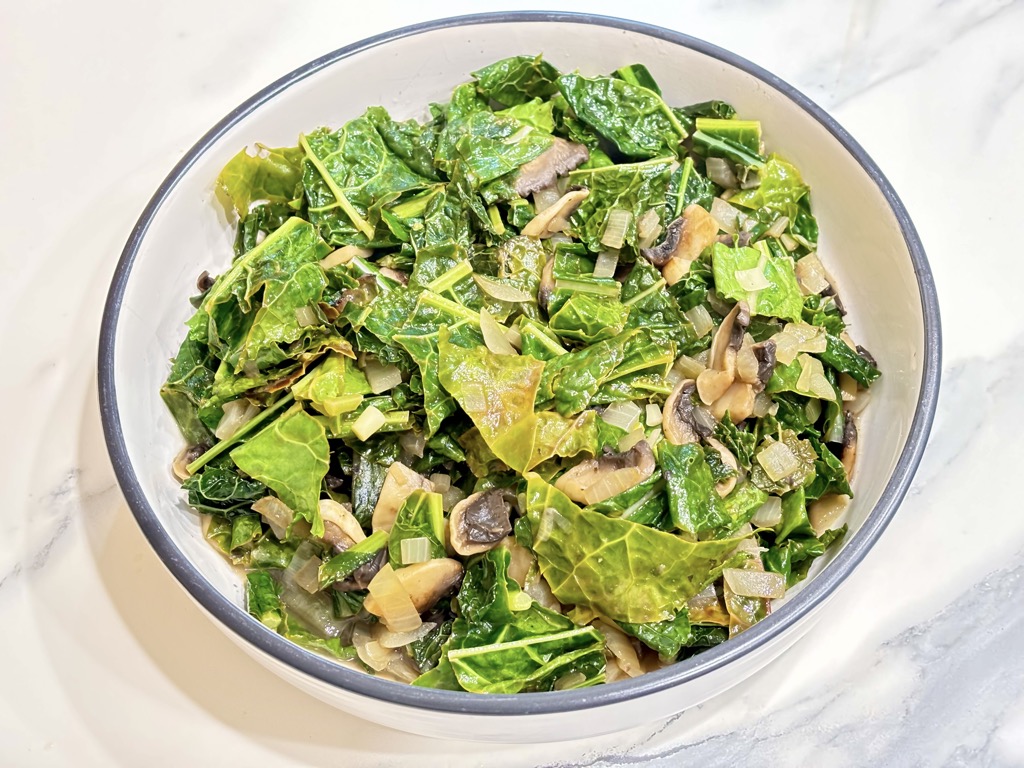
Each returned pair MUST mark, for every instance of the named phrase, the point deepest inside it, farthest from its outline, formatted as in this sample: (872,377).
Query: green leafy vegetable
(780,298)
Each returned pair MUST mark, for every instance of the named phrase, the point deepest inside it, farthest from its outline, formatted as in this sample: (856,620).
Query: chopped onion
(415,550)
(236,414)
(700,319)
(689,367)
(752,279)
(519,601)
(277,514)
(307,575)
(849,388)
(811,274)
(306,317)
(630,439)
(654,415)
(570,680)
(369,421)
(441,482)
(654,438)
(370,651)
(769,514)
(451,497)
(615,227)
(778,227)
(413,443)
(494,335)
(501,291)
(762,404)
(623,415)
(341,515)
(344,255)
(729,218)
(647,223)
(789,243)
(607,262)
(381,378)
(651,238)
(778,461)
(824,512)
(515,338)
(812,379)
(785,347)
(393,601)
(720,172)
(545,198)
(389,639)
(809,338)
(765,584)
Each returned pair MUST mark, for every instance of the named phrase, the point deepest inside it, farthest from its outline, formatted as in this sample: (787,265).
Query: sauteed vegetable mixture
(549,390)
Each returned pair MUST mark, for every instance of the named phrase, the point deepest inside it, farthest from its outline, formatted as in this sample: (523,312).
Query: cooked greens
(545,391)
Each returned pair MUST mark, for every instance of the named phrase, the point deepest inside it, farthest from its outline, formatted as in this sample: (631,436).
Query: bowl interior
(861,241)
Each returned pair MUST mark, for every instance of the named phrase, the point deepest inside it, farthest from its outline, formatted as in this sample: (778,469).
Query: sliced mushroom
(561,157)
(725,487)
(361,577)
(340,516)
(684,240)
(543,224)
(765,353)
(598,479)
(396,275)
(480,522)
(677,417)
(425,582)
(849,444)
(399,484)
(738,402)
(729,336)
(712,384)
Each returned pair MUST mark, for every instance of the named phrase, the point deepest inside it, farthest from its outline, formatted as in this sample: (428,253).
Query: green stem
(242,432)
(361,224)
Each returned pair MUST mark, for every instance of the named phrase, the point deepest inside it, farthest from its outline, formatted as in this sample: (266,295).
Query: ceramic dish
(868,243)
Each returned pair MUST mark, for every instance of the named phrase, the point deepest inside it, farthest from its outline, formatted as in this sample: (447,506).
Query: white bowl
(867,242)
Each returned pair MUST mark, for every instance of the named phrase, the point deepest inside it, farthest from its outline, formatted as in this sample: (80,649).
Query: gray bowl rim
(814,593)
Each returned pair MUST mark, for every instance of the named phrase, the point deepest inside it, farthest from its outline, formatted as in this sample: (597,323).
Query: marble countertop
(919,661)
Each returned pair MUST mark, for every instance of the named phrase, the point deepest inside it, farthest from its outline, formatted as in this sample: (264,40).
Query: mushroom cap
(561,157)
(479,522)
(677,420)
(425,582)
(598,479)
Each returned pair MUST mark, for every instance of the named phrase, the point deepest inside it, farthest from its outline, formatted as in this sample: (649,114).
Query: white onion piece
(333,512)
(369,651)
(651,238)
(369,421)
(629,440)
(704,418)
(623,415)
(848,386)
(413,443)
(752,279)
(501,291)
(393,602)
(778,227)
(700,319)
(689,367)
(515,338)
(728,217)
(236,414)
(824,512)
(653,416)
(647,224)
(762,404)
(615,227)
(788,242)
(415,550)
(344,255)
(654,438)
(606,264)
(307,575)
(399,484)
(809,338)
(520,560)
(451,497)
(306,317)
(389,639)
(494,335)
(570,680)
(765,584)
(785,347)
(720,172)
(778,461)
(381,378)
(545,198)
(810,274)
(441,483)
(769,514)
(277,514)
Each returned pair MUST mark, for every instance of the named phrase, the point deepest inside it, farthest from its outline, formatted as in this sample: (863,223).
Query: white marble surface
(919,661)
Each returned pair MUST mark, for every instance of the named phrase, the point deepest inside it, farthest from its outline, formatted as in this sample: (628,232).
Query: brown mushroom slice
(479,522)
(738,401)
(684,239)
(399,484)
(849,445)
(561,157)
(425,583)
(598,479)
(712,385)
(725,487)
(765,353)
(361,577)
(677,417)
(541,225)
(729,335)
